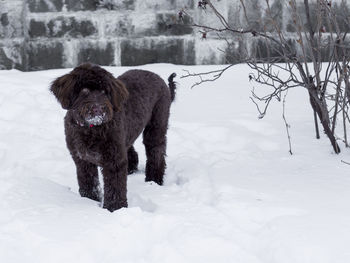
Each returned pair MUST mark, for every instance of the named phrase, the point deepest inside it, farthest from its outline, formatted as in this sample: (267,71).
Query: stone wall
(44,34)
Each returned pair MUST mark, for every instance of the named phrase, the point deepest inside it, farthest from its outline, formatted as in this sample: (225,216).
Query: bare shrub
(312,53)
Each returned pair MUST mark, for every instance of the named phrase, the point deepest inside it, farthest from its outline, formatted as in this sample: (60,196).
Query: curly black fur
(104,117)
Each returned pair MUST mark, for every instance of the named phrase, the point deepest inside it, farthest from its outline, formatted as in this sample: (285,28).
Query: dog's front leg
(115,178)
(87,179)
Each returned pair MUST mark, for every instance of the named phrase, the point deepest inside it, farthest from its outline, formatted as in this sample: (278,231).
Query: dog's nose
(96,109)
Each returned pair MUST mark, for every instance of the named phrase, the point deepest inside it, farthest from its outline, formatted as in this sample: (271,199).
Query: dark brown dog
(105,116)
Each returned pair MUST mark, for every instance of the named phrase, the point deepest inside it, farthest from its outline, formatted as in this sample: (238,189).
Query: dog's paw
(91,194)
(156,180)
(114,205)
(132,170)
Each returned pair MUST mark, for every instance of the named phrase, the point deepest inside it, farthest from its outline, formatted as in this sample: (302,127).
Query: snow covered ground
(232,192)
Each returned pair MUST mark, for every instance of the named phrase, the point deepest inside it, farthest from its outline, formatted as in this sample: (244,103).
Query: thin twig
(286,123)
(345,162)
(215,75)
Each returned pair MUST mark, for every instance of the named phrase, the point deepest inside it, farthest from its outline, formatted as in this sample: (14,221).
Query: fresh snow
(232,192)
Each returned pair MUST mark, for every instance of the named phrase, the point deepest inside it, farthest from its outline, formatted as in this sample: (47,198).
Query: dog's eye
(85,91)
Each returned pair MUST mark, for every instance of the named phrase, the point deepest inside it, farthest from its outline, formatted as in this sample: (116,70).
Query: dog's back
(148,84)
(147,91)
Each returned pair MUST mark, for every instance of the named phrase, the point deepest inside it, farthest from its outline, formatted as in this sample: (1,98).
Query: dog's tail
(172,86)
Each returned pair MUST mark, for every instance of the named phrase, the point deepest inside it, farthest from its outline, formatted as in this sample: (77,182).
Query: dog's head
(91,93)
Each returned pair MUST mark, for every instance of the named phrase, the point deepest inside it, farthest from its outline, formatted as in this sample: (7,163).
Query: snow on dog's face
(91,93)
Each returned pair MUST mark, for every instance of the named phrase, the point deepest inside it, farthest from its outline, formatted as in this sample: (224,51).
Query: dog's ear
(63,88)
(118,93)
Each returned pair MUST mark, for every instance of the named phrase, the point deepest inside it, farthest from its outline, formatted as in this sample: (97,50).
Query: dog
(105,115)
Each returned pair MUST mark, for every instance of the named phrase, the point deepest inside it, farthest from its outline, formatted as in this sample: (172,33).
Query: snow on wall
(43,34)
